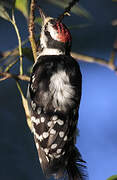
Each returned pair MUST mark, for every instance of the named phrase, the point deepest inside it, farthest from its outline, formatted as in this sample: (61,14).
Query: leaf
(6,3)
(4,14)
(25,105)
(22,5)
(81,12)
(38,20)
(27,52)
(78,26)
(114,177)
(76,9)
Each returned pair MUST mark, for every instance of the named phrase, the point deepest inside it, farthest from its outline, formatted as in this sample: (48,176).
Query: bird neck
(50,51)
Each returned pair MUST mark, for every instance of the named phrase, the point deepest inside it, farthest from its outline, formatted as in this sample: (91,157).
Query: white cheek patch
(53,32)
(43,40)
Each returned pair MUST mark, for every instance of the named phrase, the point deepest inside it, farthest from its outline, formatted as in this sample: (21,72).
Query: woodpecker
(54,97)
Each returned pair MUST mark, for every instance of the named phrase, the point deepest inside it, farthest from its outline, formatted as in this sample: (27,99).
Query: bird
(54,95)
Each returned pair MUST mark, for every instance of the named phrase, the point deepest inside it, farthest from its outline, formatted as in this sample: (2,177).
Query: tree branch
(6,75)
(31,29)
(109,64)
(25,105)
(67,9)
(19,41)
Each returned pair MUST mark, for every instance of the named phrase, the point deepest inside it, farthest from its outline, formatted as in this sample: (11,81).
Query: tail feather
(75,166)
(71,167)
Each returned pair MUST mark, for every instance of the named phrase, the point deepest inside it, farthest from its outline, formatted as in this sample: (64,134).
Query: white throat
(50,51)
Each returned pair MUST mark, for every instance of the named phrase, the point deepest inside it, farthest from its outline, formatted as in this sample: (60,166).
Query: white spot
(65,138)
(38,121)
(33,89)
(33,129)
(37,136)
(57,156)
(32,86)
(40,138)
(50,155)
(49,123)
(60,122)
(42,119)
(59,151)
(63,153)
(47,158)
(37,145)
(61,134)
(46,150)
(33,105)
(54,118)
(52,131)
(45,134)
(53,146)
(40,160)
(33,79)
(33,76)
(54,122)
(32,118)
(38,110)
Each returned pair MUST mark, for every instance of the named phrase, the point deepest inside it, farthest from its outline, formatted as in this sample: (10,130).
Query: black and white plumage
(55,93)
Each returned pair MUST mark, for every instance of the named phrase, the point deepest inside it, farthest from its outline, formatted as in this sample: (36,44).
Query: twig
(6,75)
(10,65)
(19,41)
(25,105)
(67,9)
(31,30)
(109,64)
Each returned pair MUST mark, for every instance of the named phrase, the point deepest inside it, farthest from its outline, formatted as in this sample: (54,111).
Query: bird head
(54,34)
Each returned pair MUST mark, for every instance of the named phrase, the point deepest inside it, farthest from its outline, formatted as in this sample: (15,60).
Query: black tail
(76,167)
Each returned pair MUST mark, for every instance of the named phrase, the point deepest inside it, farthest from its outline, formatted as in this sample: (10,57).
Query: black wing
(55,92)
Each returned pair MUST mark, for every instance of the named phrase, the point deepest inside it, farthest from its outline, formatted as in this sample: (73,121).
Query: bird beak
(43,16)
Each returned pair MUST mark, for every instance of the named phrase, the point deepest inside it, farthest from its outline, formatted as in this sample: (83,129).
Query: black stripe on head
(51,43)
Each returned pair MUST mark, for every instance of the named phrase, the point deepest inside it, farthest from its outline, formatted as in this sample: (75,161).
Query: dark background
(98,110)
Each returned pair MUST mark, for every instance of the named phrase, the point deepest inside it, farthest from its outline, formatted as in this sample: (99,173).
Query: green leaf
(38,20)
(4,14)
(22,5)
(27,52)
(114,177)
(6,3)
(78,26)
(76,9)
(81,12)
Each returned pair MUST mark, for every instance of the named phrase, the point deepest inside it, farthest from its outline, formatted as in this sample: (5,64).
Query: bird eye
(53,22)
(46,26)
